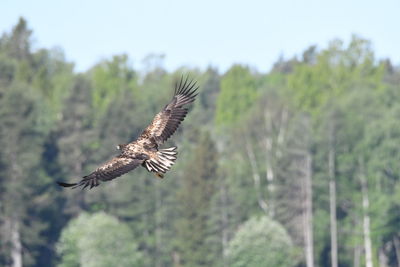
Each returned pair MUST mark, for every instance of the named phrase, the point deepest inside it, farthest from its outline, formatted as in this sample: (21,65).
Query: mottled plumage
(145,150)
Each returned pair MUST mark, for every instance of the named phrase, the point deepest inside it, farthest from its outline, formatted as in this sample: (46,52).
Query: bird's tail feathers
(163,162)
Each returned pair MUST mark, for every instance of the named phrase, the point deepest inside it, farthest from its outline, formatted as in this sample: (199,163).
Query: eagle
(145,150)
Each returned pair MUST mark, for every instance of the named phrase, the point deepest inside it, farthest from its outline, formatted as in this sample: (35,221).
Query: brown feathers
(168,120)
(144,151)
(108,171)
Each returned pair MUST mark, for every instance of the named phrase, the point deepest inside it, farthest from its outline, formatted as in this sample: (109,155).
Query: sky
(203,33)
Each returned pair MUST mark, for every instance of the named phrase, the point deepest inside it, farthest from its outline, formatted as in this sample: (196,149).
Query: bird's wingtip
(65,184)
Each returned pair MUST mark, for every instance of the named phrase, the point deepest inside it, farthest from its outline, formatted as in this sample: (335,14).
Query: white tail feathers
(164,161)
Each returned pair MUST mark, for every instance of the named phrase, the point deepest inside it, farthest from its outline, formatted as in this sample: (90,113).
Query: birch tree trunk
(256,177)
(16,246)
(383,259)
(15,234)
(332,199)
(270,177)
(333,223)
(306,205)
(224,221)
(273,145)
(357,250)
(308,213)
(366,218)
(396,244)
(269,174)
(357,254)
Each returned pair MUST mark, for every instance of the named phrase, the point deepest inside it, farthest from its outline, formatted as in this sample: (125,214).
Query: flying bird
(146,151)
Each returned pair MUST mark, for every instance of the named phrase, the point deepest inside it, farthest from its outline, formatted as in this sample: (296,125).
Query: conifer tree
(195,195)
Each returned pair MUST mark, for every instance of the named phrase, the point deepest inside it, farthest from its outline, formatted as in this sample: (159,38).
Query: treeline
(296,167)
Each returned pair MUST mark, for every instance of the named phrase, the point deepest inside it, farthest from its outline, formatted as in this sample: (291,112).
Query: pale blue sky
(202,33)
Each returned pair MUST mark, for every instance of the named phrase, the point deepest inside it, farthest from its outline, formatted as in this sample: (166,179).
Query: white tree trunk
(309,213)
(282,132)
(269,174)
(332,191)
(16,246)
(396,244)
(366,219)
(176,259)
(270,177)
(224,221)
(332,205)
(273,152)
(15,234)
(256,177)
(383,259)
(357,255)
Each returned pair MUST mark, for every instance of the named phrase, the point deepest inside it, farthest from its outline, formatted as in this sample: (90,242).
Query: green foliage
(262,242)
(334,72)
(17,45)
(111,78)
(238,93)
(21,140)
(198,188)
(98,240)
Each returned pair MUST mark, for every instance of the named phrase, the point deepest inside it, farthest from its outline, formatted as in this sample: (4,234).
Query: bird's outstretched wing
(167,121)
(108,171)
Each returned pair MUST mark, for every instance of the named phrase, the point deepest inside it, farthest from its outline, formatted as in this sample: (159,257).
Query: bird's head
(121,146)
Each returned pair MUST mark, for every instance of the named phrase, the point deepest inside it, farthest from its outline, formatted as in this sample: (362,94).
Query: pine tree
(22,144)
(195,195)
(76,140)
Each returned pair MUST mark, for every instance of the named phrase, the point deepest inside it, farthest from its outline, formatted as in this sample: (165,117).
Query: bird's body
(145,150)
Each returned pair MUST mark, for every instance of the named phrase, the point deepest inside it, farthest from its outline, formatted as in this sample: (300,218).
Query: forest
(299,166)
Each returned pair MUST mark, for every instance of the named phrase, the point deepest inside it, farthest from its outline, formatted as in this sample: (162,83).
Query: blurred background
(289,157)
